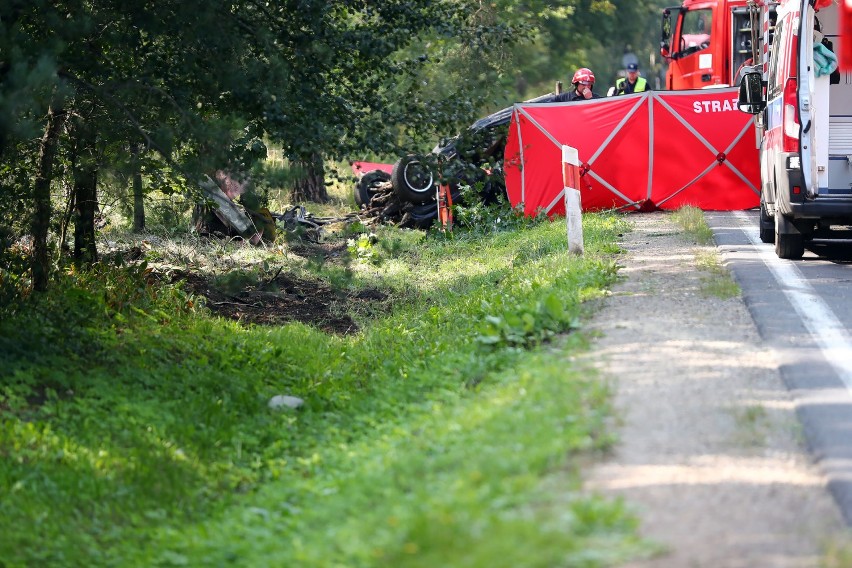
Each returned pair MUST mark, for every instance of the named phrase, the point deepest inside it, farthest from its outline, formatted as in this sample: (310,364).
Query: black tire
(767,226)
(787,244)
(424,215)
(366,187)
(413,180)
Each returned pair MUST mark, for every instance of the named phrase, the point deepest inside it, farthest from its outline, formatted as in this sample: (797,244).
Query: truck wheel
(767,225)
(367,186)
(788,244)
(412,180)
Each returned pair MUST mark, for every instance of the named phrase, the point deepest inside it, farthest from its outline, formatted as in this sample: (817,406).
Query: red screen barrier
(653,150)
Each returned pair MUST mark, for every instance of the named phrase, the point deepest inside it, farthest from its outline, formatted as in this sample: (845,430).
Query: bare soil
(711,455)
(287,298)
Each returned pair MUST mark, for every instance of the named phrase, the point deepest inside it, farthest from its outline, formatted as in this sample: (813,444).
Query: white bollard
(573,208)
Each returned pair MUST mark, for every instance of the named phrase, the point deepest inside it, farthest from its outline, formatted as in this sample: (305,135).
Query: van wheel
(788,244)
(412,180)
(767,225)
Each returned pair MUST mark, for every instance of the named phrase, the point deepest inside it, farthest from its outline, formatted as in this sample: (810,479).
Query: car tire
(367,186)
(787,245)
(423,215)
(767,226)
(412,180)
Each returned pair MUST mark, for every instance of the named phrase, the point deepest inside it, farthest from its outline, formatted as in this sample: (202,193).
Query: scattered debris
(220,215)
(386,207)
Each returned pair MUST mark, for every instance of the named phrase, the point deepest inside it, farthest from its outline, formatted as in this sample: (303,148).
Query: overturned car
(407,191)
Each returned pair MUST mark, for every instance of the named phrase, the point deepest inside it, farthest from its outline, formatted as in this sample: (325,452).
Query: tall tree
(84,165)
(41,197)
(138,190)
(197,82)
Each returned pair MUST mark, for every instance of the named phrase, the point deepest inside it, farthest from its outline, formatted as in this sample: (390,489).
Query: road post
(571,188)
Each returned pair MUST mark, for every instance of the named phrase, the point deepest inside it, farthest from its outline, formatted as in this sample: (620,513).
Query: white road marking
(827,331)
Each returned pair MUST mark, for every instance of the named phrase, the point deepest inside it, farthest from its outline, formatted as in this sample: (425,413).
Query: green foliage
(175,93)
(14,271)
(524,323)
(135,430)
(549,41)
(362,248)
(476,216)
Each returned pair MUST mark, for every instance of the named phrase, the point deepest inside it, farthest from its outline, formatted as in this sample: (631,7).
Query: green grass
(837,553)
(691,219)
(135,431)
(717,281)
(752,424)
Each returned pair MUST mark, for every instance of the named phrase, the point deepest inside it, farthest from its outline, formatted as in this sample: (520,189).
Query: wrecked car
(473,158)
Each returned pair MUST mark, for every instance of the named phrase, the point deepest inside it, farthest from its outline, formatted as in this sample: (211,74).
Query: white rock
(283,401)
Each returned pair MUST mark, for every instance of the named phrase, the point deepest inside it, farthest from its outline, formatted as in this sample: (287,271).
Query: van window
(695,31)
(779,46)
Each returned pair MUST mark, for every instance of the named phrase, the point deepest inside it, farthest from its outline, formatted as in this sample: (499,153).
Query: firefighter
(584,87)
(633,83)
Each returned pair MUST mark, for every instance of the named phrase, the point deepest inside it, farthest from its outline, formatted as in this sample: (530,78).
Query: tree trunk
(41,196)
(85,193)
(85,207)
(311,185)
(138,195)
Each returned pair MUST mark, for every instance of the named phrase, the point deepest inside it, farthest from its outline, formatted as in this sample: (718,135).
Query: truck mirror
(666,26)
(750,98)
(666,33)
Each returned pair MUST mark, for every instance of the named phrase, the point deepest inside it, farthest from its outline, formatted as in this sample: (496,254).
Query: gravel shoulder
(710,454)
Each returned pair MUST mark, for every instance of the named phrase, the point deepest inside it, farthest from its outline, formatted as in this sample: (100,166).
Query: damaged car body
(472,159)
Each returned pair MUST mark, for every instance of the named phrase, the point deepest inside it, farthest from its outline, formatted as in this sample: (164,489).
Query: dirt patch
(710,456)
(286,299)
(325,251)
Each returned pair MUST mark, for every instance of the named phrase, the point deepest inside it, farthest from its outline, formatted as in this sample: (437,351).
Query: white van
(804,125)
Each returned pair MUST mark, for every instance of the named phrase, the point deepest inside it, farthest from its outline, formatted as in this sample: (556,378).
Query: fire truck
(705,42)
(802,105)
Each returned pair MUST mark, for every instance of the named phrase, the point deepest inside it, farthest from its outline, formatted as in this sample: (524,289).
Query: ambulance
(802,102)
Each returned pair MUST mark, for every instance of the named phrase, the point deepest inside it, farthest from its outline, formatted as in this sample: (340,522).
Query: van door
(777,76)
(807,99)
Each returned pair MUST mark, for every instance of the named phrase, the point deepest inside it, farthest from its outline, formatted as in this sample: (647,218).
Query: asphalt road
(803,312)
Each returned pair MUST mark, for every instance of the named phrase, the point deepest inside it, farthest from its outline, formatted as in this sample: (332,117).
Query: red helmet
(583,74)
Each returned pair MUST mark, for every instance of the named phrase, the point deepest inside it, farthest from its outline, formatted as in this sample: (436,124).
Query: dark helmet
(583,74)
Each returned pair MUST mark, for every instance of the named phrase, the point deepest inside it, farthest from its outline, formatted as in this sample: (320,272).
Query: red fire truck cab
(705,42)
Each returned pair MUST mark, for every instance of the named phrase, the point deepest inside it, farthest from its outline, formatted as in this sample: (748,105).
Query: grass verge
(691,219)
(717,280)
(135,429)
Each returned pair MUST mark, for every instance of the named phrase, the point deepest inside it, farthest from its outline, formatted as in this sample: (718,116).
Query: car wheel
(412,180)
(767,225)
(424,215)
(787,245)
(368,186)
